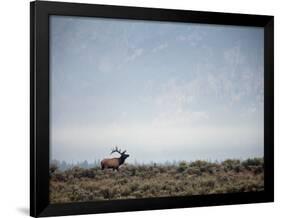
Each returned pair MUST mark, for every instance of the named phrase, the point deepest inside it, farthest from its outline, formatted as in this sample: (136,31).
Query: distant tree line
(63,165)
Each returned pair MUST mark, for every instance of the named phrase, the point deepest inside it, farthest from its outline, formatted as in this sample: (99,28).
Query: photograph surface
(147,109)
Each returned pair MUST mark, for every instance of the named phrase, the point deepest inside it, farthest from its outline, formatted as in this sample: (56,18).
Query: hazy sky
(163,91)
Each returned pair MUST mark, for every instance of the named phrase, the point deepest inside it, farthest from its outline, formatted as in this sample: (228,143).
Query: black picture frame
(40,106)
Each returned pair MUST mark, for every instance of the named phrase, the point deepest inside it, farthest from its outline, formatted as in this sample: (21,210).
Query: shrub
(145,187)
(182,167)
(194,171)
(123,181)
(230,164)
(133,171)
(210,183)
(108,192)
(134,186)
(253,162)
(198,163)
(125,191)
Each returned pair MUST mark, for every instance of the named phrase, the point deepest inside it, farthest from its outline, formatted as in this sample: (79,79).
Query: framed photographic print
(143,108)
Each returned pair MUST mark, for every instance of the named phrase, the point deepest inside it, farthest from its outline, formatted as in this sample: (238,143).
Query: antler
(116,150)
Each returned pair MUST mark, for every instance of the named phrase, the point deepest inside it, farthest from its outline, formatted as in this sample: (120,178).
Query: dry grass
(145,181)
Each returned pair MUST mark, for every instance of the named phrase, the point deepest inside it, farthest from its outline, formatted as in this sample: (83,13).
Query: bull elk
(114,163)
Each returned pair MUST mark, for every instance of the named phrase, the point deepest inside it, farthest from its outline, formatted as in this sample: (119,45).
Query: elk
(114,163)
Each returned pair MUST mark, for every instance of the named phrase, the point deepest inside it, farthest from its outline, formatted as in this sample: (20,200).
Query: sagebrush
(156,180)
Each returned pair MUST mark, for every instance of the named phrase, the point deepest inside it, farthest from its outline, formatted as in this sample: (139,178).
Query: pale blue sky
(163,91)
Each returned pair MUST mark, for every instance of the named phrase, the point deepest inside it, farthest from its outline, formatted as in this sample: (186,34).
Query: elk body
(114,163)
